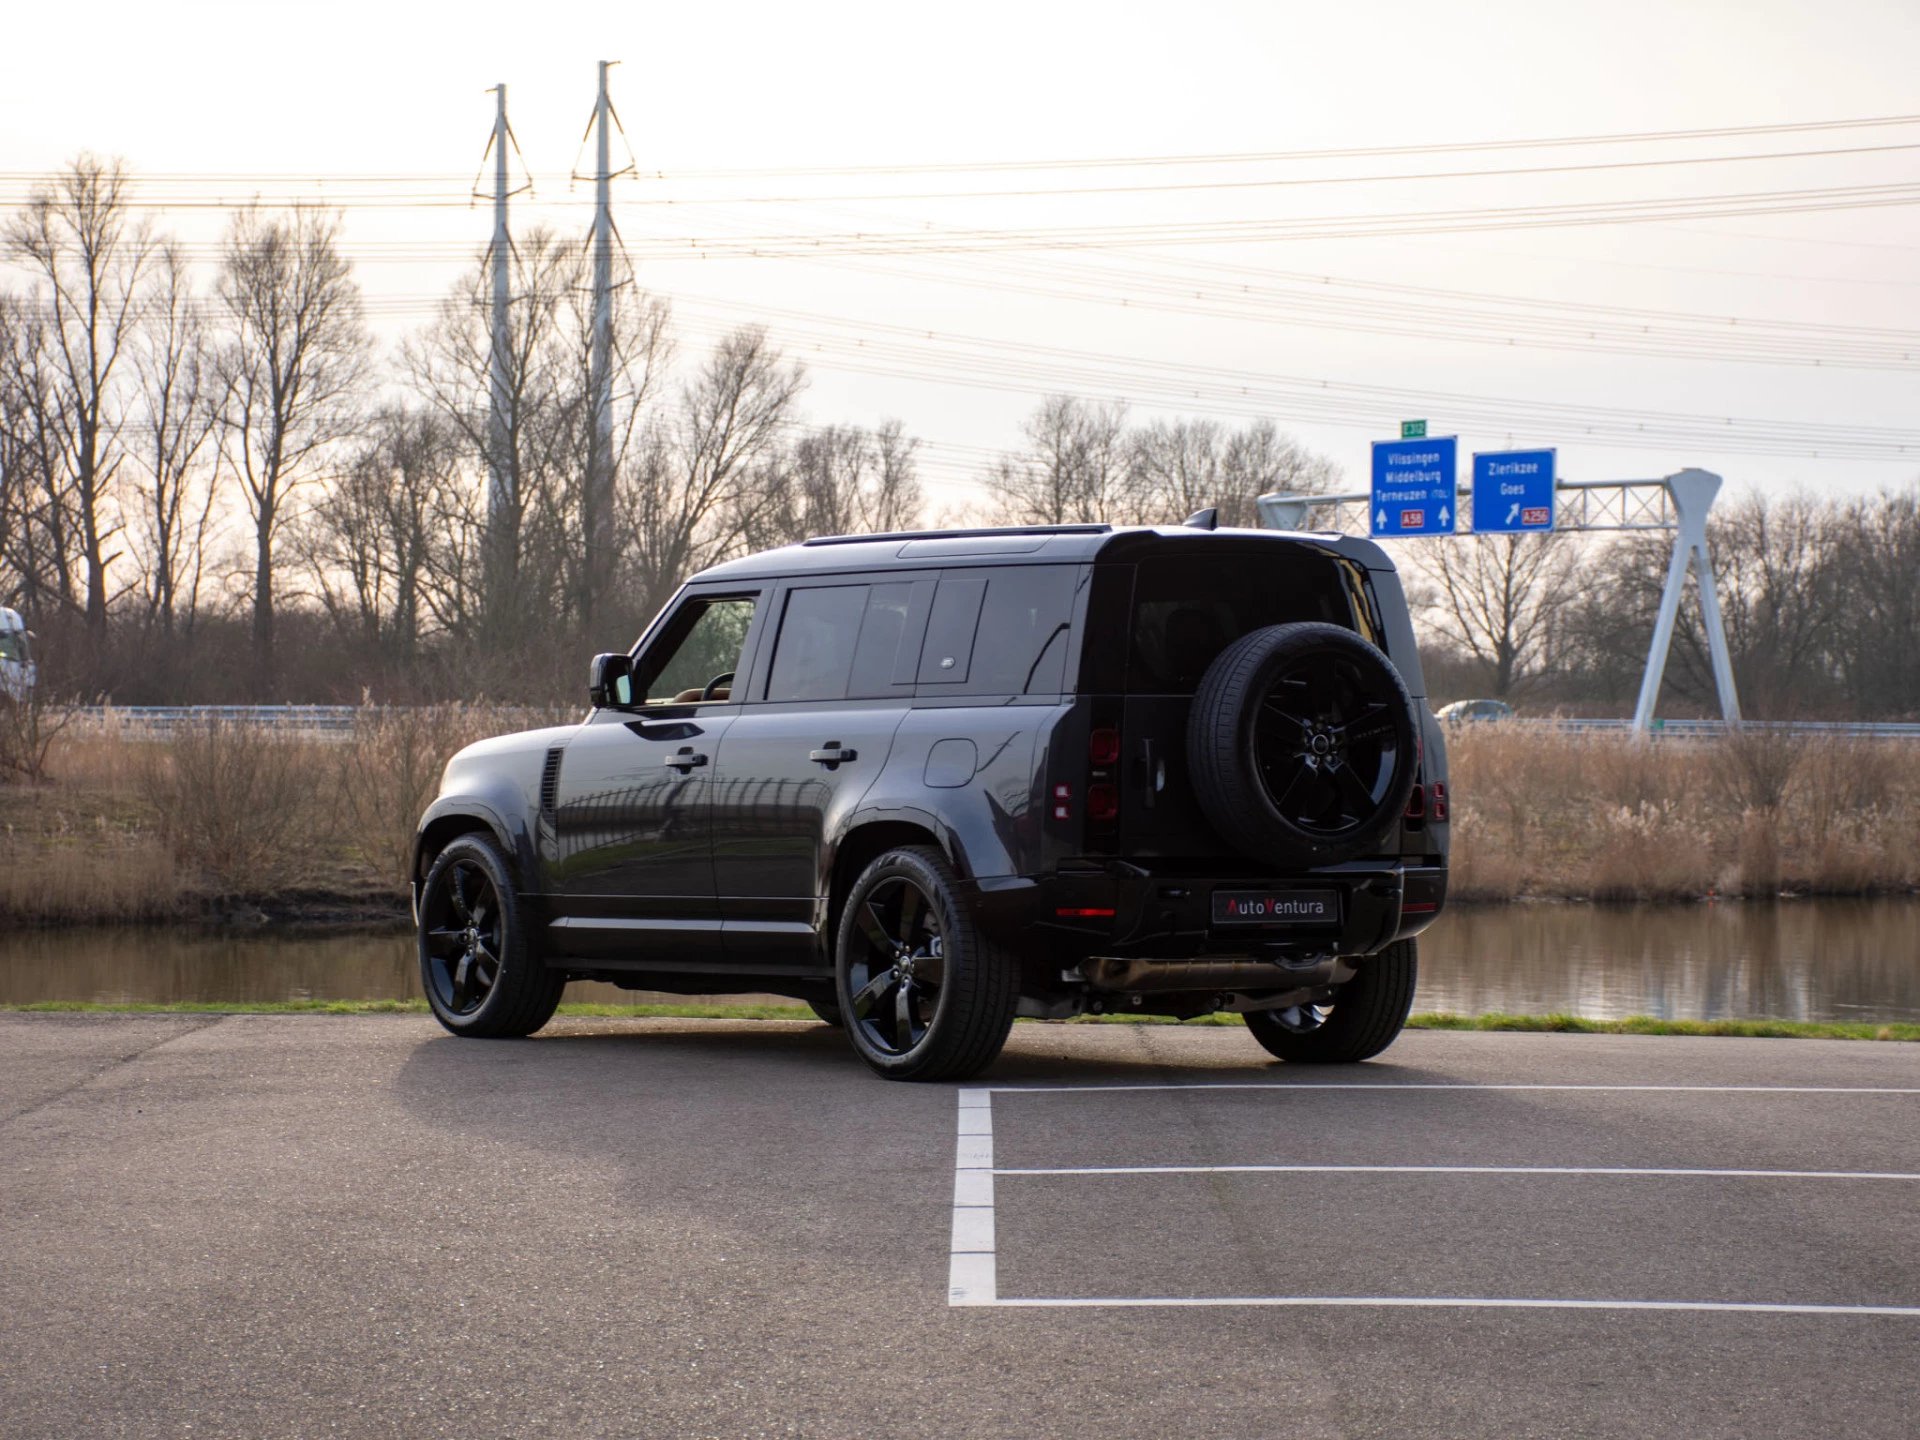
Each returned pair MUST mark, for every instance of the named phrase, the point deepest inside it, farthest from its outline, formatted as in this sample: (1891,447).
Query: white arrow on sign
(1380,520)
(1444,515)
(1514,513)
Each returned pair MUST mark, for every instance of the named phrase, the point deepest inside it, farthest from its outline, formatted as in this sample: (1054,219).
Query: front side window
(696,656)
(13,645)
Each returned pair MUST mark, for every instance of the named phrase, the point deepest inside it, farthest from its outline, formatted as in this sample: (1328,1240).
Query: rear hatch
(1170,613)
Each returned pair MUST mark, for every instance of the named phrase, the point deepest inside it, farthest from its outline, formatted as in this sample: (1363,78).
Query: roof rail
(962,534)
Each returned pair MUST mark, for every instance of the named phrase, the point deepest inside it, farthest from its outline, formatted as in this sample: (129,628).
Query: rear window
(1187,610)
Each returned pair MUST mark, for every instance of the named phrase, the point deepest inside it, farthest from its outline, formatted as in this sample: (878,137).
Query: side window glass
(948,653)
(888,651)
(695,657)
(1022,649)
(814,654)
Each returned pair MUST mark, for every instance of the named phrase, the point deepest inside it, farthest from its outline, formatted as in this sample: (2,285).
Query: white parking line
(1456,1085)
(1422,1302)
(973,1263)
(1463,1170)
(971,1270)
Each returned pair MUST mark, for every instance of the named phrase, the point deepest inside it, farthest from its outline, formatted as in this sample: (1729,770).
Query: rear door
(803,749)
(1185,606)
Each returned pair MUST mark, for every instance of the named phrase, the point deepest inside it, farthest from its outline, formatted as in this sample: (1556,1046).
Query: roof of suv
(1011,544)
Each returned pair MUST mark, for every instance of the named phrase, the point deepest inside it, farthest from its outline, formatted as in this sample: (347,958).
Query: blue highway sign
(1513,491)
(1415,486)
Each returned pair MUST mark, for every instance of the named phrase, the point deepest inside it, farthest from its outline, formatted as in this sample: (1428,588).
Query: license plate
(1276,907)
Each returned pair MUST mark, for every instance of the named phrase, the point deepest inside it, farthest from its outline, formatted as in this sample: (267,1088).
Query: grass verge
(1539,1024)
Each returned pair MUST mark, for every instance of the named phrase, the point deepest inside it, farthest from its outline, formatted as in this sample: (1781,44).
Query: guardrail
(1869,729)
(339,719)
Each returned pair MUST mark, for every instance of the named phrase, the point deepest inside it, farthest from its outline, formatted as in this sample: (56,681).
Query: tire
(904,1024)
(1367,1013)
(481,974)
(828,1012)
(1303,744)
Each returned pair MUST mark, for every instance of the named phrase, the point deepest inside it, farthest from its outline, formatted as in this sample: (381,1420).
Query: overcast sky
(247,93)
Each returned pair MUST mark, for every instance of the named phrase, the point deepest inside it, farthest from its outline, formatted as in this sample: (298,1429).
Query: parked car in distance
(18,673)
(1468,712)
(930,781)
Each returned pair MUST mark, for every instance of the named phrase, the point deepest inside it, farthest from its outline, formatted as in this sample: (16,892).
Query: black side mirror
(610,681)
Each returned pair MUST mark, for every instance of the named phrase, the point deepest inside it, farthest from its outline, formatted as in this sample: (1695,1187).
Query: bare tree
(1500,598)
(692,495)
(88,259)
(172,440)
(1183,466)
(288,376)
(36,487)
(1076,469)
(368,538)
(840,480)
(532,559)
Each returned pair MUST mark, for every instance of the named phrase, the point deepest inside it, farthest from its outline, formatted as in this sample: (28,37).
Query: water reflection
(1803,960)
(1809,960)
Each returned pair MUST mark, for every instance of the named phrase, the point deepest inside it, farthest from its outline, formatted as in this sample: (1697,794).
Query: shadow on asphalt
(780,1053)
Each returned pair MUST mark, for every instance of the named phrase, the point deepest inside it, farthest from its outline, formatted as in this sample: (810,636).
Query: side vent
(550,783)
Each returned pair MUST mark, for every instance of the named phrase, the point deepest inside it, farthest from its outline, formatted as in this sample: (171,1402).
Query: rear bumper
(1136,912)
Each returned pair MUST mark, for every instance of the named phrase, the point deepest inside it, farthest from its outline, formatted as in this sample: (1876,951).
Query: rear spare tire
(1302,744)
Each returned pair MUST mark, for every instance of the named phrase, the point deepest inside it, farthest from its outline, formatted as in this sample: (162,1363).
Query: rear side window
(818,634)
(1000,632)
(1186,610)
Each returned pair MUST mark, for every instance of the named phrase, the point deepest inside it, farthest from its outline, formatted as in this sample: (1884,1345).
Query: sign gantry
(1519,488)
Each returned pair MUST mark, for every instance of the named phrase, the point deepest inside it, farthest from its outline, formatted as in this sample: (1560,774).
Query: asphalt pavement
(359,1226)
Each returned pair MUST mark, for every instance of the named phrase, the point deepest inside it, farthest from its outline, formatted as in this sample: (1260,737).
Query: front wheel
(481,975)
(923,994)
(1360,1021)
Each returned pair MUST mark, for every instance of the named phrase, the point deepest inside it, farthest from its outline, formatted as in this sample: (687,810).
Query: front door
(630,872)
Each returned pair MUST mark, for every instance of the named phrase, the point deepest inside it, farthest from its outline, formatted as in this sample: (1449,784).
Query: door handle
(832,755)
(684,759)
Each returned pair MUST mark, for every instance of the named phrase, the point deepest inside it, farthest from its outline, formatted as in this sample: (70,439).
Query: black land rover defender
(928,782)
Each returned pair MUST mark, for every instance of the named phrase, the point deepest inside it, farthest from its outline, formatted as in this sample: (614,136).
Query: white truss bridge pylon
(1680,502)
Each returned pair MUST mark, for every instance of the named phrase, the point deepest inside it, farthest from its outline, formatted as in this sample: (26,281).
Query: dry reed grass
(1555,813)
(129,827)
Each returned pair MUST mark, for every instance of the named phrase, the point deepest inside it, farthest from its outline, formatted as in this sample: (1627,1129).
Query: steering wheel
(715,683)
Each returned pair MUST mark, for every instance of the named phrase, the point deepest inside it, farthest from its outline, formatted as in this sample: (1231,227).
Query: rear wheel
(480,974)
(1362,1019)
(922,993)
(828,1013)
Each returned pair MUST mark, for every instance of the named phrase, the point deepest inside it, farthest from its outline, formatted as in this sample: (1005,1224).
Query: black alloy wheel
(460,927)
(1325,745)
(1302,744)
(897,966)
(480,975)
(923,994)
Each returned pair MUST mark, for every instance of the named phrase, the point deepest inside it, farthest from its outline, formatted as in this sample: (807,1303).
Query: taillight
(1103,746)
(1439,800)
(1063,802)
(1417,803)
(1103,801)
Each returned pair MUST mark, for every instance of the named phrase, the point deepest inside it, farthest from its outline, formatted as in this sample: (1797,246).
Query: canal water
(1797,960)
